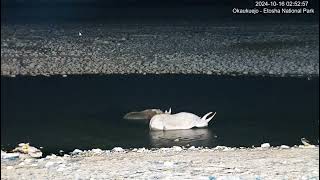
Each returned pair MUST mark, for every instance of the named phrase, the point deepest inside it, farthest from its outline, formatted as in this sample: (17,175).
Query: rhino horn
(206,115)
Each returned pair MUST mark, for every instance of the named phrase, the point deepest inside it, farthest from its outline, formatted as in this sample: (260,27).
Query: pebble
(228,149)
(9,156)
(265,145)
(117,149)
(76,151)
(96,151)
(168,163)
(28,160)
(142,150)
(164,149)
(307,147)
(177,148)
(49,164)
(52,156)
(220,148)
(61,167)
(284,147)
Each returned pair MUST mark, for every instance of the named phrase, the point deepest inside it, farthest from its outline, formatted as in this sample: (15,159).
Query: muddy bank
(171,163)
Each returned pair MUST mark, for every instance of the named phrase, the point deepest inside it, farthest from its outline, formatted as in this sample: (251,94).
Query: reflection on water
(192,137)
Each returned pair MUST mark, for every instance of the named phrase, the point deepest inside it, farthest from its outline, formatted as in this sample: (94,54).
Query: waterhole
(85,112)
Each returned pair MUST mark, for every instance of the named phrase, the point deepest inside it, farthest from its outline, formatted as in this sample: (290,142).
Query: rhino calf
(183,120)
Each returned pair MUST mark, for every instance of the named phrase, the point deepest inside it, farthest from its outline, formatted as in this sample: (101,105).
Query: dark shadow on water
(86,112)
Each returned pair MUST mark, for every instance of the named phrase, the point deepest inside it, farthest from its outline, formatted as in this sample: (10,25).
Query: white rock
(9,167)
(220,147)
(192,148)
(11,156)
(22,144)
(229,178)
(284,147)
(177,148)
(48,164)
(117,149)
(265,145)
(77,177)
(228,149)
(28,160)
(97,151)
(141,150)
(307,147)
(60,169)
(37,154)
(25,148)
(52,156)
(168,164)
(76,151)
(164,149)
(134,150)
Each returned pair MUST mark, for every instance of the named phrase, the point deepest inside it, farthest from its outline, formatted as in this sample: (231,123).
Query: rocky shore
(265,162)
(161,48)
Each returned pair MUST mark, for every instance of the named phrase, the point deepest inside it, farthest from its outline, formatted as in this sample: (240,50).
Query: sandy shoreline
(171,163)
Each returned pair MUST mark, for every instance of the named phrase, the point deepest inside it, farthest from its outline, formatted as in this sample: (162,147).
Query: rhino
(182,120)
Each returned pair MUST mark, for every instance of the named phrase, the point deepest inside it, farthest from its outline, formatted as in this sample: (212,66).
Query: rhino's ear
(168,112)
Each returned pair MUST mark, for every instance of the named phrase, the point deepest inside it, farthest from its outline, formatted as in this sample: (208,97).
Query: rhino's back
(181,121)
(186,115)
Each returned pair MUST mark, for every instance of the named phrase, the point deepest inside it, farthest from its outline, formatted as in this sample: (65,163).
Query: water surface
(86,112)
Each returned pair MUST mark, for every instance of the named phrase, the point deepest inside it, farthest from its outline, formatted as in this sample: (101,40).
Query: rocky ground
(277,49)
(299,162)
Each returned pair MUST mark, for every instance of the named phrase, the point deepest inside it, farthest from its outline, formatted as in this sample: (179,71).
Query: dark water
(86,112)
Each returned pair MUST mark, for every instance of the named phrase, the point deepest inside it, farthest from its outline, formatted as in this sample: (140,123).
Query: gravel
(168,163)
(205,48)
